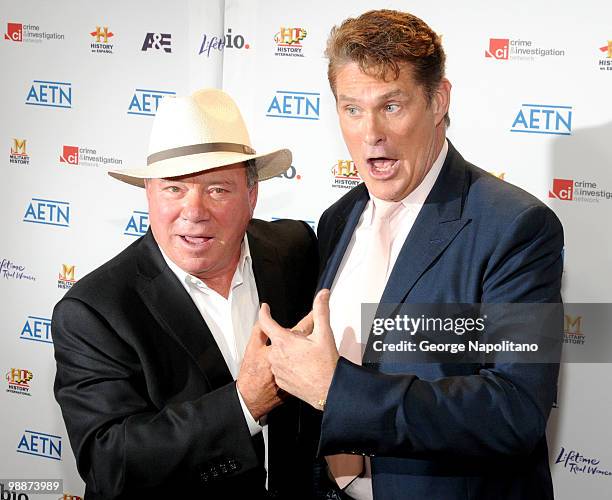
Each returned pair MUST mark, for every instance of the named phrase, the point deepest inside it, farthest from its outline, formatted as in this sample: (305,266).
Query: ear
(441,100)
(253,197)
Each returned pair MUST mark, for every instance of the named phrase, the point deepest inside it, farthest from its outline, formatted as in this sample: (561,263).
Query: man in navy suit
(452,233)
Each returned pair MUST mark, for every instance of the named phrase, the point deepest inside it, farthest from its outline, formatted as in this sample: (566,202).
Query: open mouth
(196,240)
(382,167)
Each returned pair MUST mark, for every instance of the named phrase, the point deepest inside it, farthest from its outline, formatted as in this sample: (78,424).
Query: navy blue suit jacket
(452,431)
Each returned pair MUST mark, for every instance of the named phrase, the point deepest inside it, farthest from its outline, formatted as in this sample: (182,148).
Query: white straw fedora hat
(200,132)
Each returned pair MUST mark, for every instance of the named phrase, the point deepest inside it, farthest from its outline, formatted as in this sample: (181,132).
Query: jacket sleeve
(120,438)
(500,409)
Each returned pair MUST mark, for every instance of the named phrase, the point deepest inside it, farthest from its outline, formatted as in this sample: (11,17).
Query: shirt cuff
(254,427)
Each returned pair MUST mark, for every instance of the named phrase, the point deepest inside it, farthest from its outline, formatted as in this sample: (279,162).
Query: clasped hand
(301,360)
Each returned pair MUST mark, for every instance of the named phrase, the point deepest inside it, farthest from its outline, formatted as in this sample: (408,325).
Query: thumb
(258,337)
(271,328)
(305,325)
(320,315)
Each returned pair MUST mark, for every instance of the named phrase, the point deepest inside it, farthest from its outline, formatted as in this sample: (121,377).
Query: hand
(305,325)
(303,365)
(255,380)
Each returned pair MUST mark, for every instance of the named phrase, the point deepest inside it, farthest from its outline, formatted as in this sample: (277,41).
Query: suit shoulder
(286,235)
(110,278)
(500,201)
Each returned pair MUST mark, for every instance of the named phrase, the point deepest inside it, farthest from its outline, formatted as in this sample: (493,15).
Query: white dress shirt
(348,286)
(230,320)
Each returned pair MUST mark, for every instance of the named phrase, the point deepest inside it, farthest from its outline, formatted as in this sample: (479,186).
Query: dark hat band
(210,147)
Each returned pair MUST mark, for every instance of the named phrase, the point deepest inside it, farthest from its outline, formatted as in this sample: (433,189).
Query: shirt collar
(416,198)
(188,280)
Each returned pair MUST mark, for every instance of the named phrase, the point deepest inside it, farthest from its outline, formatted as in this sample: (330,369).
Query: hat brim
(268,165)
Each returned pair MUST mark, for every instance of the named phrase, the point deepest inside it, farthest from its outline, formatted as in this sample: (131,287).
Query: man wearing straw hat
(162,392)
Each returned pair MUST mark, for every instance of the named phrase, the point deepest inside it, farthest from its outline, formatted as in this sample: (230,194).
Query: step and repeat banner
(81,85)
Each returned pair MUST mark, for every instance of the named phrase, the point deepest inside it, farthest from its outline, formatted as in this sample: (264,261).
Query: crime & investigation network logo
(605,63)
(65,278)
(18,381)
(294,104)
(19,155)
(145,102)
(87,156)
(102,45)
(50,94)
(508,49)
(345,175)
(577,463)
(138,224)
(218,44)
(37,329)
(30,33)
(581,191)
(289,41)
(543,119)
(40,444)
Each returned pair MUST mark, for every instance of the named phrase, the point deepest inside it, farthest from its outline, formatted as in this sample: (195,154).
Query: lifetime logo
(219,43)
(157,41)
(37,329)
(14,32)
(543,119)
(50,212)
(145,102)
(291,104)
(40,444)
(562,189)
(498,48)
(138,224)
(51,94)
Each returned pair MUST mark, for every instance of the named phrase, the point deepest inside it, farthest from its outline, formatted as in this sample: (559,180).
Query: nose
(195,206)
(374,130)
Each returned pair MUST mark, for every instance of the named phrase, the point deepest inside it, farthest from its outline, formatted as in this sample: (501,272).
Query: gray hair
(251,173)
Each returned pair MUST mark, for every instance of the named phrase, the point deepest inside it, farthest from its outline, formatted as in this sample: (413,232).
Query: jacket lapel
(174,309)
(437,224)
(268,273)
(344,227)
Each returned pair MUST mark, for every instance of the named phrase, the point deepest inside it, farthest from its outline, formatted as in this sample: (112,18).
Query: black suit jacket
(150,406)
(453,431)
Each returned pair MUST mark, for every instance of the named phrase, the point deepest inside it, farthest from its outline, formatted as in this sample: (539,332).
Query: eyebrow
(383,97)
(173,180)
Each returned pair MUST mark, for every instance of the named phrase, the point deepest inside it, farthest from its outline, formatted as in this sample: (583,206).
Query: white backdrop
(513,67)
